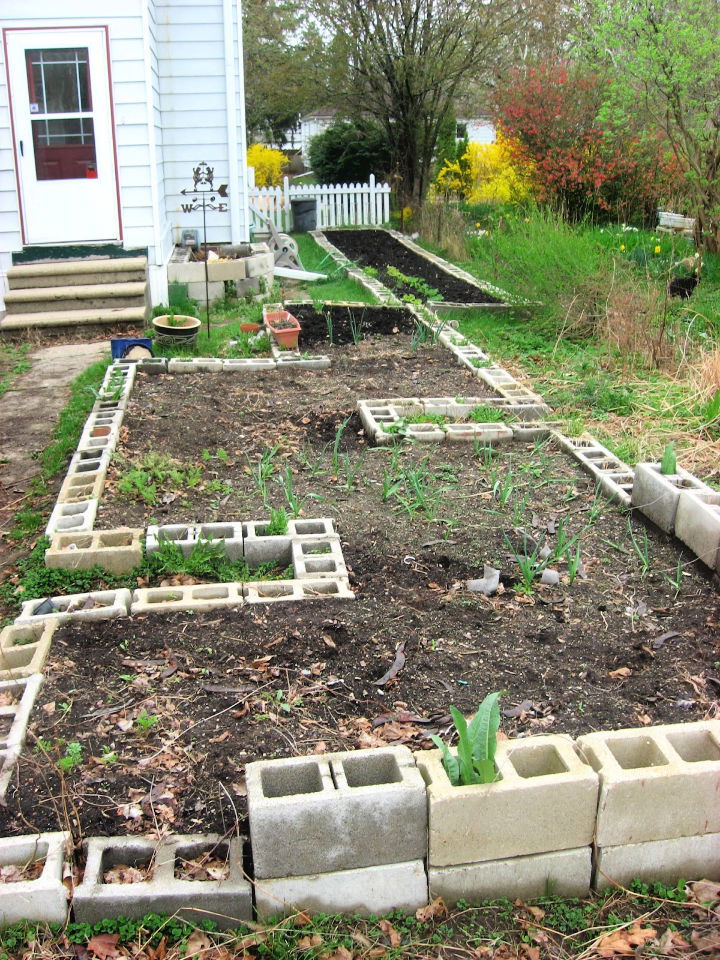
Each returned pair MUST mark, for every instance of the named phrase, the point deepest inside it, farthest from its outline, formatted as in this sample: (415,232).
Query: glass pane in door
(59,83)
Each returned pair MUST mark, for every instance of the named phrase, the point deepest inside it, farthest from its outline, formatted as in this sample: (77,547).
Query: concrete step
(92,296)
(137,316)
(54,273)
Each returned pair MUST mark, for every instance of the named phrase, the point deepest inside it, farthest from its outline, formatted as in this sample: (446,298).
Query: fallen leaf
(342,953)
(197,943)
(672,941)
(433,911)
(622,943)
(390,932)
(306,943)
(529,953)
(104,945)
(622,673)
(706,943)
(126,873)
(704,891)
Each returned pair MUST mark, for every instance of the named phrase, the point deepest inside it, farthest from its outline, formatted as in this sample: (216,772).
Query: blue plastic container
(119,346)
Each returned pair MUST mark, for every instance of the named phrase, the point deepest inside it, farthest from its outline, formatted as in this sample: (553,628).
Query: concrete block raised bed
(260,547)
(656,783)
(45,899)
(24,648)
(657,494)
(14,719)
(697,524)
(365,891)
(98,605)
(228,902)
(116,550)
(314,557)
(247,364)
(195,365)
(186,537)
(517,815)
(693,858)
(335,812)
(82,486)
(563,873)
(613,477)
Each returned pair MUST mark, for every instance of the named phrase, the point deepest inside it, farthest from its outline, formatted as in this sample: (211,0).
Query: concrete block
(186,537)
(77,517)
(248,364)
(195,365)
(322,527)
(199,597)
(44,900)
(369,890)
(116,550)
(98,444)
(697,524)
(665,861)
(656,783)
(24,649)
(275,591)
(425,433)
(336,812)
(215,290)
(228,902)
(260,265)
(86,461)
(152,365)
(260,547)
(517,815)
(14,718)
(562,873)
(98,605)
(298,362)
(249,286)
(482,432)
(656,494)
(314,558)
(530,430)
(78,487)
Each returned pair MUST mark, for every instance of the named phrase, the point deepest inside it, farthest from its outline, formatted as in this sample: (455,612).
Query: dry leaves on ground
(127,873)
(17,872)
(623,943)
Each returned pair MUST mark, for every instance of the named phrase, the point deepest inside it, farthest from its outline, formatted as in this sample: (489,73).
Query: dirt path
(28,412)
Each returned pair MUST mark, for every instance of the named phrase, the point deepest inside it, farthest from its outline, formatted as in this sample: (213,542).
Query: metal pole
(207,283)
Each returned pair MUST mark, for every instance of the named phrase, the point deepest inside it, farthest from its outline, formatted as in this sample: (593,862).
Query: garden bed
(166,710)
(340,325)
(378,250)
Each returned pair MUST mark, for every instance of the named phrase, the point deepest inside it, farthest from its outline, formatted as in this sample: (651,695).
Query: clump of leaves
(277,525)
(477,743)
(486,413)
(668,464)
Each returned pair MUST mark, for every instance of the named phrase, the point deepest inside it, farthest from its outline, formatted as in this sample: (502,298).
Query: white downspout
(244,197)
(152,141)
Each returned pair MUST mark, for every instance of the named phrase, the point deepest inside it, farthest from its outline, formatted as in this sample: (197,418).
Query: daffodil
(657,249)
(622,247)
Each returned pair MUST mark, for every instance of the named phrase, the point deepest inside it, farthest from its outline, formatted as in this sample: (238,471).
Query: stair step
(52,273)
(95,296)
(70,318)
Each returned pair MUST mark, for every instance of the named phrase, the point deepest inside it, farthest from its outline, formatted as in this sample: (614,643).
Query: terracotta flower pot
(284,327)
(249,327)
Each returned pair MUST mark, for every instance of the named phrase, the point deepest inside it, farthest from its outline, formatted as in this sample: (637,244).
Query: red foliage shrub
(552,112)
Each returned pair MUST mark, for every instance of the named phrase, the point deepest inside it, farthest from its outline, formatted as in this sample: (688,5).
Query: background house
(105,109)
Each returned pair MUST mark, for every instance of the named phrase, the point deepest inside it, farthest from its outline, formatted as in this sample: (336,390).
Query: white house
(106,107)
(313,124)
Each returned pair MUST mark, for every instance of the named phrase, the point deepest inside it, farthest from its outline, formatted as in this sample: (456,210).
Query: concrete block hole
(291,780)
(538,762)
(371,771)
(635,752)
(695,746)
(141,857)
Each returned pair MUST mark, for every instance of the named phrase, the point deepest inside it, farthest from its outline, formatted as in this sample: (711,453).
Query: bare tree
(404,63)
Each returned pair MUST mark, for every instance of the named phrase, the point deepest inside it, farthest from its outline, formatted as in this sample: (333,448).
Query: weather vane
(205,196)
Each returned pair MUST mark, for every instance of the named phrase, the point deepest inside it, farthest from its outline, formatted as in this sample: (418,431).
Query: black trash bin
(304,215)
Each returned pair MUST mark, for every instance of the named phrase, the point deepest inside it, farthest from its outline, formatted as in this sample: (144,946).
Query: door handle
(22,149)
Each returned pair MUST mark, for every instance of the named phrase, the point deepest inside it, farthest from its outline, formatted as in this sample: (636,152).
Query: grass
(225,319)
(338,286)
(603,344)
(13,362)
(567,928)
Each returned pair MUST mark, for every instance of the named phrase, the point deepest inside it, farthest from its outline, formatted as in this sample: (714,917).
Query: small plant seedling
(668,464)
(277,526)
(641,546)
(477,744)
(108,756)
(675,579)
(72,758)
(145,721)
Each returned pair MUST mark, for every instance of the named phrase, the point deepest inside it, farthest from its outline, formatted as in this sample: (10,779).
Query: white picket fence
(336,205)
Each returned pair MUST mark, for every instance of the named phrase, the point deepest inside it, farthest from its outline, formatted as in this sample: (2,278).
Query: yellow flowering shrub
(268,164)
(487,173)
(496,175)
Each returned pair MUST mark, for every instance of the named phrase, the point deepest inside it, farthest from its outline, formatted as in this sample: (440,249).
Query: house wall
(169,63)
(191,39)
(310,128)
(480,131)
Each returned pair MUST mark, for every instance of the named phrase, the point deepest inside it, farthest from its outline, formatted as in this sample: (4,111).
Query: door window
(61,106)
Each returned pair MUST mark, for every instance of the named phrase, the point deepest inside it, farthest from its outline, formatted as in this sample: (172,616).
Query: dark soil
(615,648)
(341,326)
(377,249)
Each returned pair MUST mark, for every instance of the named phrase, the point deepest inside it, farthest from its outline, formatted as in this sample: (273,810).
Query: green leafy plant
(73,757)
(477,744)
(277,525)
(486,413)
(145,721)
(668,464)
